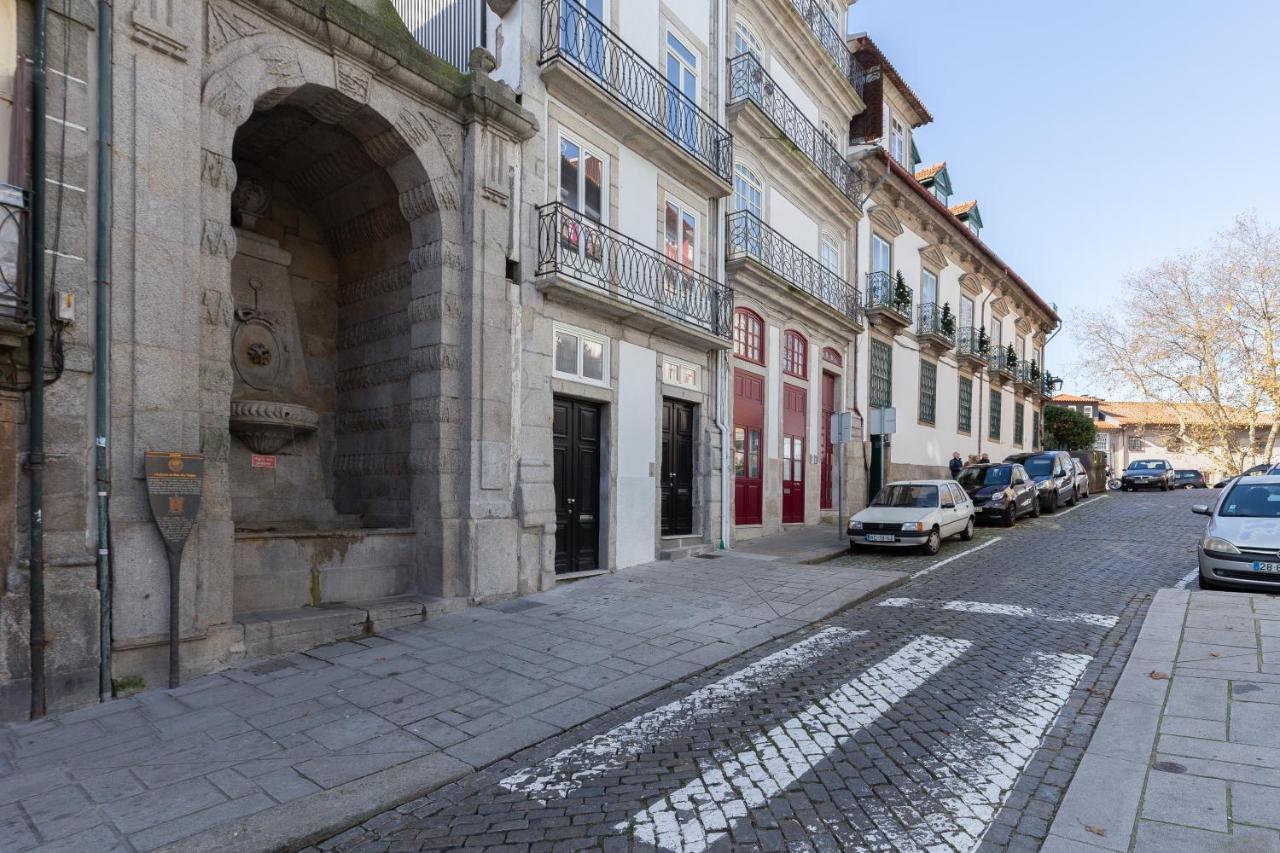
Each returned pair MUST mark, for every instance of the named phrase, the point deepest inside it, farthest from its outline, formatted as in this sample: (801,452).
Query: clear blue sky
(1099,136)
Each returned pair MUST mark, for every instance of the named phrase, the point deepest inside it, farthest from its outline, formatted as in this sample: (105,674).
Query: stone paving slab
(1186,755)
(291,750)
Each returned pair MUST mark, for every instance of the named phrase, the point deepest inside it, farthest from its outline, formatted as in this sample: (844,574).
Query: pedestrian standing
(985,459)
(955,464)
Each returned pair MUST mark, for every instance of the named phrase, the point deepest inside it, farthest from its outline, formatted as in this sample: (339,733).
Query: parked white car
(1240,548)
(914,514)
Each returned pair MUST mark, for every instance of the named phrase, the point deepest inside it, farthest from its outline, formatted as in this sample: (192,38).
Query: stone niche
(320,362)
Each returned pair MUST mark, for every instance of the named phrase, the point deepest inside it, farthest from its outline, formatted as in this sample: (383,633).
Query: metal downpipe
(101,349)
(35,448)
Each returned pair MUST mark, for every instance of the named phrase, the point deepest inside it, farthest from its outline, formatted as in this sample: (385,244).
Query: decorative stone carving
(266,426)
(217,311)
(438,254)
(153,26)
(250,200)
(370,375)
(256,351)
(217,171)
(282,65)
(384,281)
(225,25)
(971,283)
(441,193)
(501,7)
(218,239)
(368,227)
(933,256)
(352,80)
(884,217)
(230,100)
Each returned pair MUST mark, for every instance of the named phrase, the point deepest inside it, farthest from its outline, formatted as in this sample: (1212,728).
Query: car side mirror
(1200,509)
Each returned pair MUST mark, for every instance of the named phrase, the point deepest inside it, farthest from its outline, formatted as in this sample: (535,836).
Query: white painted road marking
(974,769)
(993,609)
(1185,582)
(567,769)
(698,814)
(1079,505)
(964,553)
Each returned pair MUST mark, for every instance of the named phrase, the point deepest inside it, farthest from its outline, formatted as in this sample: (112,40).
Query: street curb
(297,824)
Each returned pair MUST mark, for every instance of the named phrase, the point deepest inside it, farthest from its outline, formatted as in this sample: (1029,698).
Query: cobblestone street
(948,714)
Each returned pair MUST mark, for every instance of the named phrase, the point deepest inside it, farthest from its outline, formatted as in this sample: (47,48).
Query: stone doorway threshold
(268,633)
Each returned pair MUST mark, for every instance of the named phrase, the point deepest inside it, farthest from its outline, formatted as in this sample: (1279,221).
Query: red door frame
(794,406)
(748,437)
(828,449)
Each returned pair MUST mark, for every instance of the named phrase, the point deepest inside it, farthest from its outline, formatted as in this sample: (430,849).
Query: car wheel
(933,544)
(1035,507)
(1164,487)
(1010,516)
(1071,500)
(966,535)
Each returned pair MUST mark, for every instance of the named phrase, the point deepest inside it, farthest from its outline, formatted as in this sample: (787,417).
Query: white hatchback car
(1240,548)
(914,514)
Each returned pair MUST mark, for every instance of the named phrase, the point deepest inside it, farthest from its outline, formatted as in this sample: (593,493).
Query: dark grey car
(1054,474)
(1001,492)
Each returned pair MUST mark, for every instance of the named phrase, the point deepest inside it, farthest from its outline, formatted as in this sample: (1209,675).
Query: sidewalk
(295,749)
(1187,754)
(809,544)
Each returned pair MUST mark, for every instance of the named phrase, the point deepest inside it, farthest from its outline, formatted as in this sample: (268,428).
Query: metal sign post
(841,431)
(175,482)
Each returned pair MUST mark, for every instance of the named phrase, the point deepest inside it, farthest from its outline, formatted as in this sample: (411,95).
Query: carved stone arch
(884,217)
(933,256)
(971,284)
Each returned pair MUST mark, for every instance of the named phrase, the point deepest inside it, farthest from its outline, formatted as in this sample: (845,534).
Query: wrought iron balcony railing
(578,248)
(967,343)
(13,292)
(833,43)
(929,322)
(882,294)
(749,82)
(749,237)
(574,35)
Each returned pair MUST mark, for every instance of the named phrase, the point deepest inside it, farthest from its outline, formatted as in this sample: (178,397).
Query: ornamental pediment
(933,256)
(884,217)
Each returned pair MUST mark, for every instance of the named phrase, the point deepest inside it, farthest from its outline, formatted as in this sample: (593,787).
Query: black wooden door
(575,430)
(677,468)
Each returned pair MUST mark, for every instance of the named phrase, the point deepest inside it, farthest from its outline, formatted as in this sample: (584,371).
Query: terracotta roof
(962,209)
(932,171)
(1074,398)
(862,43)
(1107,426)
(964,230)
(1167,414)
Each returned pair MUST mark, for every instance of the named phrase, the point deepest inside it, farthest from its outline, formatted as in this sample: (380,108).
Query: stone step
(679,549)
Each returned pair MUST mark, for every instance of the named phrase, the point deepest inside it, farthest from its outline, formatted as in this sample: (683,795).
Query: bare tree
(1201,331)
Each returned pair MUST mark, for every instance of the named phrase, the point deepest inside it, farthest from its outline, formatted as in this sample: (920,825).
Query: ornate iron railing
(833,43)
(929,322)
(748,237)
(967,340)
(882,293)
(574,35)
(749,82)
(13,220)
(583,250)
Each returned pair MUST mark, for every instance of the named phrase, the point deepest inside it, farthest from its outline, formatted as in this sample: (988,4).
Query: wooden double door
(575,439)
(748,447)
(794,406)
(677,467)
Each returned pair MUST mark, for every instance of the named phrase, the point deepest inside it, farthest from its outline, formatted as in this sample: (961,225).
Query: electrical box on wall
(66,307)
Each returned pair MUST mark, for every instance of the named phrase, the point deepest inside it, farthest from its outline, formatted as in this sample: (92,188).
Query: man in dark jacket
(955,464)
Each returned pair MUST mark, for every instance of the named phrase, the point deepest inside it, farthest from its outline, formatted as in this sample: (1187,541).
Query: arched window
(747,190)
(831,356)
(795,355)
(748,335)
(745,41)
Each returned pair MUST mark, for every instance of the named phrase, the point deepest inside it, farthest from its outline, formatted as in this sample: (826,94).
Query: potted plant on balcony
(1010,359)
(1034,371)
(984,343)
(947,322)
(901,295)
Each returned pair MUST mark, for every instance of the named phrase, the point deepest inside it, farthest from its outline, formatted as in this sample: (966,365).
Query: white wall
(793,223)
(694,14)
(637,197)
(637,451)
(794,91)
(638,26)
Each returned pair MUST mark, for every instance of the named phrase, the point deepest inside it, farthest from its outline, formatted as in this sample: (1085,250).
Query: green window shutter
(928,392)
(966,405)
(881,386)
(997,399)
(1035,430)
(1018,416)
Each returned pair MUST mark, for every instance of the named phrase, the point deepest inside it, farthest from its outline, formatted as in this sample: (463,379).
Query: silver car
(1082,479)
(1240,548)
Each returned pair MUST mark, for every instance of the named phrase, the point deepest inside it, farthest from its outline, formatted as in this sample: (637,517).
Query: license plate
(888,537)
(1267,568)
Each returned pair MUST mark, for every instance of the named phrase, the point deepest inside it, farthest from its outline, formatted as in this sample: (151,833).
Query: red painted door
(828,449)
(748,444)
(793,421)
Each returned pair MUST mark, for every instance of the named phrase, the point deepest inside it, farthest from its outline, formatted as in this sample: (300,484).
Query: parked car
(914,514)
(1082,479)
(1188,478)
(1240,548)
(1147,474)
(1054,476)
(1255,471)
(1000,491)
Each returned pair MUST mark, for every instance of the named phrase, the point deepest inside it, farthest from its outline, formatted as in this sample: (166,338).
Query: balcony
(935,330)
(833,43)
(748,83)
(1002,371)
(884,307)
(1027,379)
(585,263)
(15,317)
(751,244)
(971,349)
(591,67)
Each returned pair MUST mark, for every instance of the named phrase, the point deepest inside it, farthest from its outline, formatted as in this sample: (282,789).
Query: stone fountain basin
(265,426)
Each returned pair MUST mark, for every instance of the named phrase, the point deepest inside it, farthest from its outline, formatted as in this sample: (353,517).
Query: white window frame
(965,300)
(889,244)
(829,241)
(745,33)
(669,52)
(997,335)
(606,347)
(1087,411)
(936,286)
(680,365)
(683,208)
(583,151)
(898,140)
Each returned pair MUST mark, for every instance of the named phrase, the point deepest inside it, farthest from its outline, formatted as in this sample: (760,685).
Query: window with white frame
(582,179)
(1087,411)
(997,337)
(898,141)
(580,355)
(928,288)
(881,254)
(1135,442)
(829,254)
(745,41)
(681,373)
(680,234)
(966,312)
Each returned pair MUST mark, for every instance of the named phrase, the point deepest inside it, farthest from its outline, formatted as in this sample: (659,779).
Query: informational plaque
(175,482)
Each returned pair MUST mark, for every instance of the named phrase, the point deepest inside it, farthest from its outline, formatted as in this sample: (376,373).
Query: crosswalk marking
(698,814)
(567,769)
(993,609)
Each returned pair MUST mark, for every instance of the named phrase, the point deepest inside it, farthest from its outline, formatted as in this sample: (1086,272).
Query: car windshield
(1148,465)
(997,475)
(1252,500)
(1039,466)
(907,495)
(1186,475)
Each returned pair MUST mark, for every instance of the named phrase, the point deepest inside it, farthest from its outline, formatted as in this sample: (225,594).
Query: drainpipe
(101,349)
(979,423)
(1044,356)
(35,449)
(723,378)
